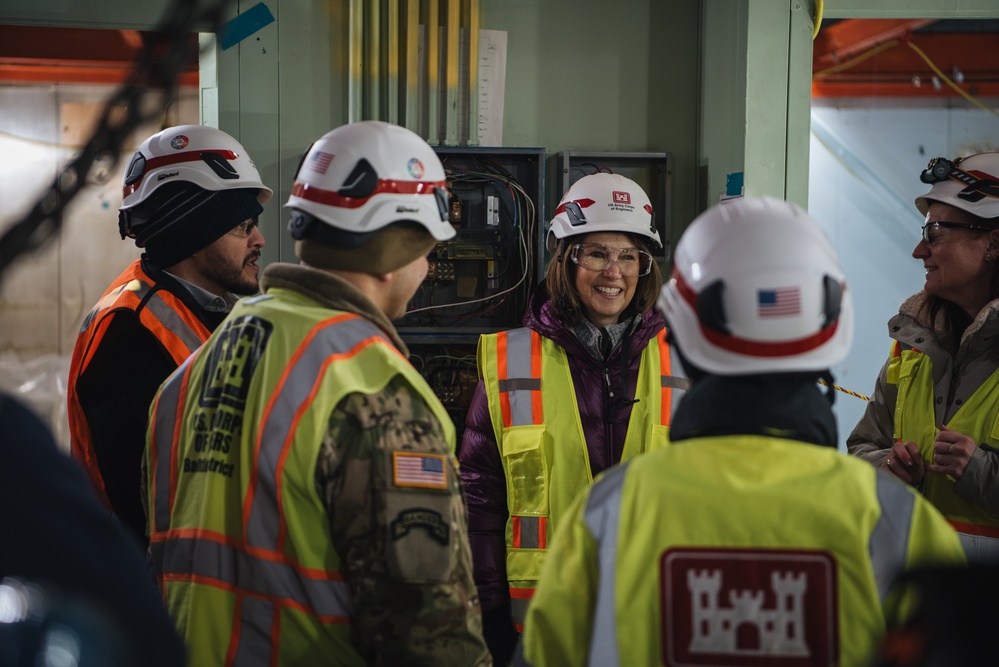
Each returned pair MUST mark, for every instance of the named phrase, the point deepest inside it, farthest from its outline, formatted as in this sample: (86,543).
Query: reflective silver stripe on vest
(255,646)
(336,338)
(519,384)
(174,322)
(889,540)
(518,369)
(518,609)
(165,419)
(103,305)
(603,508)
(678,382)
(529,532)
(199,557)
(156,305)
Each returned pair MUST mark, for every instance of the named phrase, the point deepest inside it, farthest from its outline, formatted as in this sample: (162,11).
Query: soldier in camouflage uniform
(304,500)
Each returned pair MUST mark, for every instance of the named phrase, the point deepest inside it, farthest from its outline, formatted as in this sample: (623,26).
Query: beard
(223,271)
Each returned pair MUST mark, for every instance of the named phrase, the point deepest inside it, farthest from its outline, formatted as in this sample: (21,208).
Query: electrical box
(652,171)
(480,281)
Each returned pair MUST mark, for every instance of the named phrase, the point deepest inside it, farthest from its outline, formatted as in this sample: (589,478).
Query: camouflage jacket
(404,549)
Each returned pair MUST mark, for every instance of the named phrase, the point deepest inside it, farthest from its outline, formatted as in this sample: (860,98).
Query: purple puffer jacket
(605,426)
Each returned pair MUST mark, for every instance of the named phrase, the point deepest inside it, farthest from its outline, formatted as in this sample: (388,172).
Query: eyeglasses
(245,228)
(931,230)
(597,257)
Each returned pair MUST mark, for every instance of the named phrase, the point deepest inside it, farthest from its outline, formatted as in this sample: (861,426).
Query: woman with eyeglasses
(933,421)
(586,383)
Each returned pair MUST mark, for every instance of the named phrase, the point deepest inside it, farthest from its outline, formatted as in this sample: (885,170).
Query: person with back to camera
(191,201)
(304,499)
(587,383)
(92,601)
(750,540)
(932,421)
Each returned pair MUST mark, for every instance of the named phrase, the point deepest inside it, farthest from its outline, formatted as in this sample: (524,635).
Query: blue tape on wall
(733,184)
(245,25)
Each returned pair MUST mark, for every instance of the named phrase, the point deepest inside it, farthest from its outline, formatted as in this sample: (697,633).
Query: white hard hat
(756,288)
(603,203)
(970,184)
(203,156)
(364,176)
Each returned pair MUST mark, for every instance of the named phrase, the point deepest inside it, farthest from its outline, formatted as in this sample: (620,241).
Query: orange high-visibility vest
(172,323)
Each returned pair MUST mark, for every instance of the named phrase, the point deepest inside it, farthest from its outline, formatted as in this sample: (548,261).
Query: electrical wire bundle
(513,273)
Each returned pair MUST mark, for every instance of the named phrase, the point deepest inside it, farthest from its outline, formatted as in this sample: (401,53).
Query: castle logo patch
(771,607)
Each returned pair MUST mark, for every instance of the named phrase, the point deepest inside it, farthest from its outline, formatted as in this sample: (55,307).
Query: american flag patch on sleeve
(427,471)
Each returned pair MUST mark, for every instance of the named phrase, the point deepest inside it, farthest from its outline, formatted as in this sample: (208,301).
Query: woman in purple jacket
(586,384)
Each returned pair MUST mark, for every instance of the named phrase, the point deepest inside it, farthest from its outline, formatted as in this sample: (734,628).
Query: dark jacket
(605,423)
(57,536)
(115,391)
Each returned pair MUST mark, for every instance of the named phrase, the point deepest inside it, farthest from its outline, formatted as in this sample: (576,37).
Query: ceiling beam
(971,60)
(845,39)
(37,54)
(822,89)
(49,73)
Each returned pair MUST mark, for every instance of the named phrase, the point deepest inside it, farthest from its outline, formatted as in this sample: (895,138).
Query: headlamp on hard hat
(939,169)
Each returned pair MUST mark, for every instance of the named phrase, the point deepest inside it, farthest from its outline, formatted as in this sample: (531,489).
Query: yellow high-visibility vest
(536,424)
(734,550)
(239,537)
(912,372)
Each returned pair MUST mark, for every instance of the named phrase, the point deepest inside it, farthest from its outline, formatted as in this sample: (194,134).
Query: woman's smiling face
(955,264)
(605,294)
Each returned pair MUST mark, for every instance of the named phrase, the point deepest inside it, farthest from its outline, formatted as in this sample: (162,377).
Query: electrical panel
(652,171)
(480,281)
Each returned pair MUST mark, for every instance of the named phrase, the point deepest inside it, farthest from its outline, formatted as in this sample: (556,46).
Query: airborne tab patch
(427,471)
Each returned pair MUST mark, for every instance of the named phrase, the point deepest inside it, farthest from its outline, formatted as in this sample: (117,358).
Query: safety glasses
(931,230)
(597,257)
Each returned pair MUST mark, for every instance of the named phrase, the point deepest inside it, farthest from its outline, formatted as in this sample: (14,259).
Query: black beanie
(180,219)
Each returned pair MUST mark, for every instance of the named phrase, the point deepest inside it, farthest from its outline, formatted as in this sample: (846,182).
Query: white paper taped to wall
(492,86)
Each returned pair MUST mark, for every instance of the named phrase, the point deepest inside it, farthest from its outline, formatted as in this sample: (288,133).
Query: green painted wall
(723,96)
(756,59)
(583,75)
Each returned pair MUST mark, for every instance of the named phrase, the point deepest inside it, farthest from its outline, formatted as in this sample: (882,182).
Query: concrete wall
(46,295)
